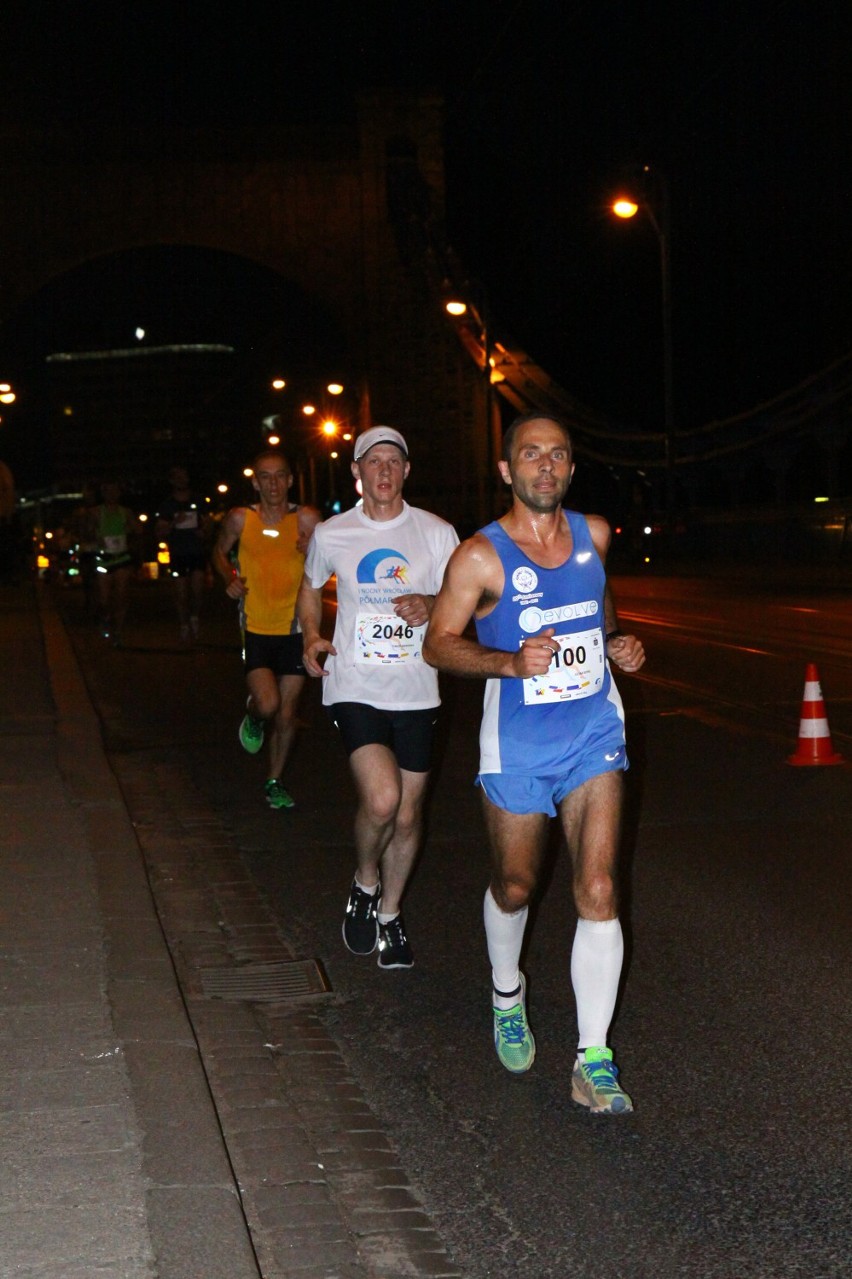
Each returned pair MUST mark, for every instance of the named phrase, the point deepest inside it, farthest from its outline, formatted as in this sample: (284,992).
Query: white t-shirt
(379,657)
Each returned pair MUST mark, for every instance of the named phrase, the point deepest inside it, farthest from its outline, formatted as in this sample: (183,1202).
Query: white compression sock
(596,960)
(505,936)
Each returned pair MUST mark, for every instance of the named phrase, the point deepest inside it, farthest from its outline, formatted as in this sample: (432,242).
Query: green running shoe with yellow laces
(277,796)
(513,1038)
(594,1084)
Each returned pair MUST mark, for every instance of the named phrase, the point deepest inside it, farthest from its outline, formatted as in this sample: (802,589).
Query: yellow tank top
(272,566)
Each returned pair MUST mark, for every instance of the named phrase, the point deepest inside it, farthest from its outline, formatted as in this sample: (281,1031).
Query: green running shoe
(251,734)
(594,1083)
(277,796)
(513,1038)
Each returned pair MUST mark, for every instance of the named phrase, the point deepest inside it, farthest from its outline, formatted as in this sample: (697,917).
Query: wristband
(613,635)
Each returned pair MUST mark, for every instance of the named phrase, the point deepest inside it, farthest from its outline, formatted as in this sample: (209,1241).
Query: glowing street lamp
(458,308)
(625,207)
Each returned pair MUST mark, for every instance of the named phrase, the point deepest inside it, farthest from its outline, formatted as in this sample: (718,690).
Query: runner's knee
(512,893)
(596,896)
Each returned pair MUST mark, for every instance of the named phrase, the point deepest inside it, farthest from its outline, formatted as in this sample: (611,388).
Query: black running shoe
(360,926)
(394,949)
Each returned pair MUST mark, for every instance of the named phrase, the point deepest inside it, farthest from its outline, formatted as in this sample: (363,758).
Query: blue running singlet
(543,725)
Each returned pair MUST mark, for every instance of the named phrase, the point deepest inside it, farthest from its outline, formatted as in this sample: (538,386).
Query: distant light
(278,384)
(647,530)
(625,208)
(140,333)
(143,518)
(334,388)
(822,499)
(309,409)
(456,308)
(247,472)
(4,386)
(347,435)
(48,535)
(8,397)
(68,411)
(647,559)
(334,454)
(618,530)
(273,439)
(221,488)
(329,427)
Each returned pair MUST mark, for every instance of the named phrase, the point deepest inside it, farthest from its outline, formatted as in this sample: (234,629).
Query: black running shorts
(409,734)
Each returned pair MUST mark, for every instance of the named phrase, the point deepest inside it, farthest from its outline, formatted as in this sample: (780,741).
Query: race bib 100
(576,671)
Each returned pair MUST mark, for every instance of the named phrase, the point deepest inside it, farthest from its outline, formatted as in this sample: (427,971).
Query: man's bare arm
(229,534)
(626,651)
(309,616)
(469,582)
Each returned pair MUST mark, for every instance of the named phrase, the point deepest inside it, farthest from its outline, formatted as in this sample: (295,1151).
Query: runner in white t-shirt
(388,558)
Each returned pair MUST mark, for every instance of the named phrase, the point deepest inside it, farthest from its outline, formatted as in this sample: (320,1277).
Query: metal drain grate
(265,983)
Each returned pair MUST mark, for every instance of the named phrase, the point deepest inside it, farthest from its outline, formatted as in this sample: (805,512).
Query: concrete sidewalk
(149,1127)
(93,1181)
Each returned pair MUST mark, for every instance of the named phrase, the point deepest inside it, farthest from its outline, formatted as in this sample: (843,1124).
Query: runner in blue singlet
(552,735)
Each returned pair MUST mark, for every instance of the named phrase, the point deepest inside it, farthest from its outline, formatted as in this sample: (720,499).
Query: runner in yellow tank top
(270,563)
(272,538)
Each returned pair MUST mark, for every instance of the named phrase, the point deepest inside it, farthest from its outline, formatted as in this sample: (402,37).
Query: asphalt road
(733,1032)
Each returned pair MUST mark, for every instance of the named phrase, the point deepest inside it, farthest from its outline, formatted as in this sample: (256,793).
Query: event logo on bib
(524,579)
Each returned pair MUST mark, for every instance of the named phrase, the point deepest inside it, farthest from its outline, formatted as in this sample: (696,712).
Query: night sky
(745,108)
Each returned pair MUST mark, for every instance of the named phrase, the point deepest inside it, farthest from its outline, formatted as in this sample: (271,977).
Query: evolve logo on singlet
(382,576)
(532,619)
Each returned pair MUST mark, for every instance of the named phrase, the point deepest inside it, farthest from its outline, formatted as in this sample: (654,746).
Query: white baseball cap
(379,435)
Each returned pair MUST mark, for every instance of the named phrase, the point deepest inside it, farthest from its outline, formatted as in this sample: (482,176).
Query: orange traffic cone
(814,738)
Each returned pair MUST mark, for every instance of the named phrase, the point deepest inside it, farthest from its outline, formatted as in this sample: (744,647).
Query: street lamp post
(482,339)
(660,220)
